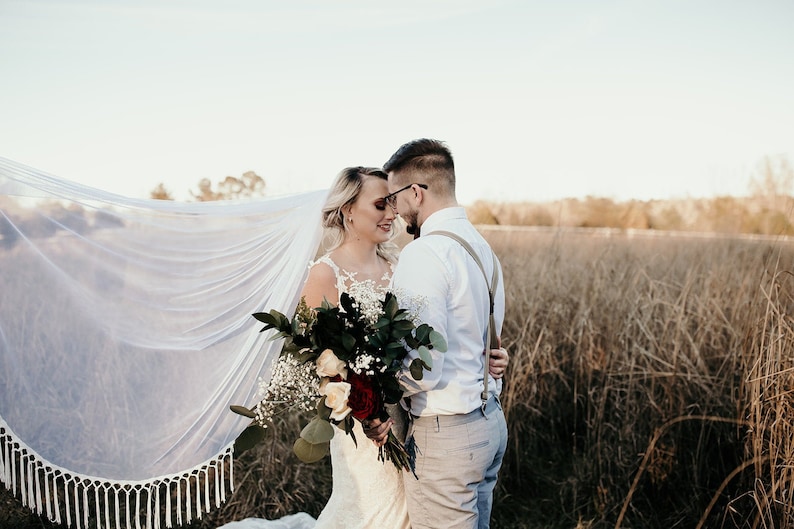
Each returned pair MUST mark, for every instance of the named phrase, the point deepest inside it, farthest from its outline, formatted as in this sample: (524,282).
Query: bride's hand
(377,431)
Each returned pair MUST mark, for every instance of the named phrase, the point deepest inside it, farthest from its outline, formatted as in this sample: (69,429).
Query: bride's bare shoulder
(323,269)
(320,283)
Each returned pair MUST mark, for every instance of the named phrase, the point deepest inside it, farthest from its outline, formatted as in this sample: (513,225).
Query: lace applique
(368,290)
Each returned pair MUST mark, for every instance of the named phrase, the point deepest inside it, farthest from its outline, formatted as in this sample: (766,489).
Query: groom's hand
(377,431)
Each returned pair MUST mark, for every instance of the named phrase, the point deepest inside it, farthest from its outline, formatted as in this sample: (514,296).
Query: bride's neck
(360,252)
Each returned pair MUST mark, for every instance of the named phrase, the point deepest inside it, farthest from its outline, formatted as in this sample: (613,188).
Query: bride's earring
(352,227)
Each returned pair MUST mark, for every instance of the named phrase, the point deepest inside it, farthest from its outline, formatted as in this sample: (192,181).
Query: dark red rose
(363,400)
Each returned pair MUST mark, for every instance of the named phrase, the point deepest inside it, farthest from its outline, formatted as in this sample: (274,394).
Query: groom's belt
(460,418)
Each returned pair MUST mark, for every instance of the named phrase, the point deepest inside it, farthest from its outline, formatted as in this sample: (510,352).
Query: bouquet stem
(396,452)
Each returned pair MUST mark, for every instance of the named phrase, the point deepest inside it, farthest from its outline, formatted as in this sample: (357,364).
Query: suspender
(490,337)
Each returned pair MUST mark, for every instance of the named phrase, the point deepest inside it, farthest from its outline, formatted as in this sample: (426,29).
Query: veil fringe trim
(70,498)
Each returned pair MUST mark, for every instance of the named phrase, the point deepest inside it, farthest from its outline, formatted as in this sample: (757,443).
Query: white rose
(336,395)
(328,365)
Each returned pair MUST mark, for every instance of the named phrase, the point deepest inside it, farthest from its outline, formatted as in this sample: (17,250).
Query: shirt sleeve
(421,274)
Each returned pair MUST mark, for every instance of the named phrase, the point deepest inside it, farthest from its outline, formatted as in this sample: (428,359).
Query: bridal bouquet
(343,362)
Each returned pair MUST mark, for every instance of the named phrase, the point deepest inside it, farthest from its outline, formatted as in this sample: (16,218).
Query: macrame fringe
(77,500)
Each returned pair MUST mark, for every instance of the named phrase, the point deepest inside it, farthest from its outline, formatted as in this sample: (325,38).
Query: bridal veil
(126,333)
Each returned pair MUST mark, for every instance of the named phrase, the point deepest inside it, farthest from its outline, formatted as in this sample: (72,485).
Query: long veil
(125,334)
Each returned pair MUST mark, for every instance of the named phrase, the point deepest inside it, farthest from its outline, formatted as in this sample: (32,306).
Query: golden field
(650,386)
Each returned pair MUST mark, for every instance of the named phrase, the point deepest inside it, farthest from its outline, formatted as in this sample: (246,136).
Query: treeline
(768,209)
(248,185)
(719,215)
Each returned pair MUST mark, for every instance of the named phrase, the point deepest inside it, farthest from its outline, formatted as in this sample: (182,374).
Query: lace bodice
(346,281)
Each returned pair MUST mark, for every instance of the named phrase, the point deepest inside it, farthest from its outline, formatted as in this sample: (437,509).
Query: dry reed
(650,386)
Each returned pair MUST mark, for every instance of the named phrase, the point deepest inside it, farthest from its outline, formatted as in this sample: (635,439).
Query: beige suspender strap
(490,335)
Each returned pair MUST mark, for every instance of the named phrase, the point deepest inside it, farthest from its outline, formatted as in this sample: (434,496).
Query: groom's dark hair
(426,161)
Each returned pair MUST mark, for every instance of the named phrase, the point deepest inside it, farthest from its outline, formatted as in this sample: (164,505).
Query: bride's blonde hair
(344,192)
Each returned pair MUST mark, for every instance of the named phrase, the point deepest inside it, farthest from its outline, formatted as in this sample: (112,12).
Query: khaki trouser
(457,462)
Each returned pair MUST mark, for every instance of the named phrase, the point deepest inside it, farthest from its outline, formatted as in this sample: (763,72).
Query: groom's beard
(411,223)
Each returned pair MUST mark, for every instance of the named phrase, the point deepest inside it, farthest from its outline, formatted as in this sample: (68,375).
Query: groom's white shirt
(439,271)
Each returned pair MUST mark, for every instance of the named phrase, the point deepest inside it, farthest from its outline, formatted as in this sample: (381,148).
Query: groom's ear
(419,195)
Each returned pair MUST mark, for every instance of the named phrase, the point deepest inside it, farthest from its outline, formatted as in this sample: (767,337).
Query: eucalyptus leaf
(242,410)
(317,431)
(411,342)
(323,411)
(310,453)
(422,333)
(438,341)
(249,438)
(416,369)
(424,355)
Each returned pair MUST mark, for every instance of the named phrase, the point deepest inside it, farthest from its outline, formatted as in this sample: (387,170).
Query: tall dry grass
(650,386)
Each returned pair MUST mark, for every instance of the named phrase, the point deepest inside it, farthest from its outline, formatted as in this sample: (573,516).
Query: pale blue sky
(537,99)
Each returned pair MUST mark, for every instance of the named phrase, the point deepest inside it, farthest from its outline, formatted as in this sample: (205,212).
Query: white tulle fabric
(126,333)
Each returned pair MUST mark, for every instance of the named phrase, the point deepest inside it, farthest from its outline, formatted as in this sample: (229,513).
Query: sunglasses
(391,198)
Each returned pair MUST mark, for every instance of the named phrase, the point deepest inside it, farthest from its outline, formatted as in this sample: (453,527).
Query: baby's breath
(366,364)
(369,300)
(414,305)
(294,385)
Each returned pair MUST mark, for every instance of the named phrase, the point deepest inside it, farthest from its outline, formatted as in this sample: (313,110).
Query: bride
(366,492)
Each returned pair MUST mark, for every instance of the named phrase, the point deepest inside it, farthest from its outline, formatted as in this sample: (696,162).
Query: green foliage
(251,436)
(349,333)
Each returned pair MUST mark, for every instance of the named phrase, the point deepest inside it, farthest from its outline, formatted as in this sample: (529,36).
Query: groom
(458,429)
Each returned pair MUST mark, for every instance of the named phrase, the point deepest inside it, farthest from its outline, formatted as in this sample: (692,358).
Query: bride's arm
(320,284)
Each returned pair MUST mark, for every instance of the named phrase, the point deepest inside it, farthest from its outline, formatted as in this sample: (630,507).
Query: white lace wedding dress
(367,493)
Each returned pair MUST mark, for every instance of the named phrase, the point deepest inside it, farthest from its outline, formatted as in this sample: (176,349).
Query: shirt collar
(440,217)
